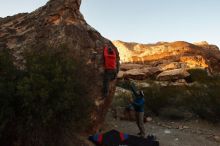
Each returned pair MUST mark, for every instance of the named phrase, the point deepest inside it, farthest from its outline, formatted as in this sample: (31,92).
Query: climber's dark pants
(109,75)
(140,122)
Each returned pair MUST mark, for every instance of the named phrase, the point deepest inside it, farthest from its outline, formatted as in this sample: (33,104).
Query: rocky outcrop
(194,61)
(141,71)
(171,66)
(137,71)
(60,22)
(141,61)
(198,55)
(172,75)
(202,43)
(166,72)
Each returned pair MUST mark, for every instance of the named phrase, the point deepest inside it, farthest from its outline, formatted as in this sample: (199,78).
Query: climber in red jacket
(111,67)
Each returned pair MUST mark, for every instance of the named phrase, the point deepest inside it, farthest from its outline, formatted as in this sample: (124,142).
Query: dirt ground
(173,133)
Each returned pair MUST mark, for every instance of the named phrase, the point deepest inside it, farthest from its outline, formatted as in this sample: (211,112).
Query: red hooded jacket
(110,59)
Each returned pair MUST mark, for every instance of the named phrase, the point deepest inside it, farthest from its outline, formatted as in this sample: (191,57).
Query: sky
(142,21)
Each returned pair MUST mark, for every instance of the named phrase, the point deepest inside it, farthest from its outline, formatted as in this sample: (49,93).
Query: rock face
(173,75)
(136,71)
(198,55)
(59,22)
(141,61)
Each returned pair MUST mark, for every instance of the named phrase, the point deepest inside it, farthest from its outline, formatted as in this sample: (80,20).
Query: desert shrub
(159,97)
(199,99)
(199,75)
(8,101)
(121,99)
(205,101)
(46,103)
(123,84)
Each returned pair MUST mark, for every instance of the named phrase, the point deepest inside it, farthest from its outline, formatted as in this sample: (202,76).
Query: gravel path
(191,133)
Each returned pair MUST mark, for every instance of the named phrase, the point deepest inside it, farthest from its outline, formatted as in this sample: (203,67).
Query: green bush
(159,97)
(121,100)
(199,75)
(200,99)
(123,84)
(205,101)
(47,102)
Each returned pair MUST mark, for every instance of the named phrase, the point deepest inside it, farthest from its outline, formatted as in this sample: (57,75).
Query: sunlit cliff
(196,55)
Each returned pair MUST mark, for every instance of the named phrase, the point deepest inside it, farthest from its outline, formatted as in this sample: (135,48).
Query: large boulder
(60,22)
(172,75)
(139,73)
(135,74)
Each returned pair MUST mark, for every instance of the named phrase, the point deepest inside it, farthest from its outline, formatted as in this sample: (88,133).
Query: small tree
(47,102)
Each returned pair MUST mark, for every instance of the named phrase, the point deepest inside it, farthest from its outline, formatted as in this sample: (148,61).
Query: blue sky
(144,21)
